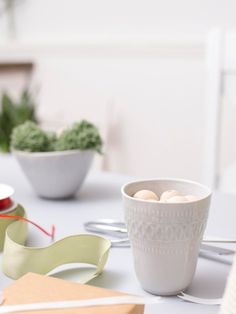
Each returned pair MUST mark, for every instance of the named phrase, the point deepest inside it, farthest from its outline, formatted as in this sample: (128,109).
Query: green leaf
(13,114)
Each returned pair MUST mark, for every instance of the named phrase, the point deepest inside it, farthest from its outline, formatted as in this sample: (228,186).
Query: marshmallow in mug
(146,195)
(169,196)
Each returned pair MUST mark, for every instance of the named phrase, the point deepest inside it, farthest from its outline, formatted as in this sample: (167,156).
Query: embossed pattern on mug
(152,231)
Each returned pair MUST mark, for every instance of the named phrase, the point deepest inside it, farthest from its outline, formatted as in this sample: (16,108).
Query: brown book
(37,288)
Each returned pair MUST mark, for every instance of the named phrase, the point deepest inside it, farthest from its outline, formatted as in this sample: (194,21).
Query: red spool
(6,192)
(5,203)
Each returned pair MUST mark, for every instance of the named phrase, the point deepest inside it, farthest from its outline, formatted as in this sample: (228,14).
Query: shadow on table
(108,279)
(91,193)
(210,284)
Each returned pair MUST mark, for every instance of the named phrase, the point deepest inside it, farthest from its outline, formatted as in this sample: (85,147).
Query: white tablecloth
(100,198)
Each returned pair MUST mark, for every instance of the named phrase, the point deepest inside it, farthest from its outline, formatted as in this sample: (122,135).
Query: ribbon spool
(7,206)
(18,259)
(6,203)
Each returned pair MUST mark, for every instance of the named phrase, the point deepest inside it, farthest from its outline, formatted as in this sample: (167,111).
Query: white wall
(60,20)
(144,57)
(157,123)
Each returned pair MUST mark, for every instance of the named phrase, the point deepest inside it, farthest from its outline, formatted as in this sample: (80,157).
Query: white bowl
(165,237)
(55,174)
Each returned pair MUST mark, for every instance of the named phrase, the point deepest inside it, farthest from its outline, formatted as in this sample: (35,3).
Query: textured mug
(165,237)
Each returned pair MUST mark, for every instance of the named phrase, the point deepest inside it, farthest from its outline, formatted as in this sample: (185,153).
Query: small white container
(165,237)
(55,174)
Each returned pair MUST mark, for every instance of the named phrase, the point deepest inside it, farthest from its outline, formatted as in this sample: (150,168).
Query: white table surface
(100,198)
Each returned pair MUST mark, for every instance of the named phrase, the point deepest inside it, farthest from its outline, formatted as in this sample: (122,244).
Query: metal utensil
(190,298)
(216,249)
(107,226)
(117,229)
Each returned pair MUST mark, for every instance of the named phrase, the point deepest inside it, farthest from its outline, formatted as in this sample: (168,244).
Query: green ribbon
(19,259)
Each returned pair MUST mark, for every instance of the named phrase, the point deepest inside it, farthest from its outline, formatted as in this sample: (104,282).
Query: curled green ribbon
(19,259)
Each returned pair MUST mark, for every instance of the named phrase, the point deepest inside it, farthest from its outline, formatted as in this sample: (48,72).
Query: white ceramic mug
(165,237)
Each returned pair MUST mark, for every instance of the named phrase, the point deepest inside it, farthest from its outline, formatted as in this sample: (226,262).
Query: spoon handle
(218,240)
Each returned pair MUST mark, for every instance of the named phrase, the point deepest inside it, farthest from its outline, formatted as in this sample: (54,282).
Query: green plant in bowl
(56,165)
(31,138)
(81,136)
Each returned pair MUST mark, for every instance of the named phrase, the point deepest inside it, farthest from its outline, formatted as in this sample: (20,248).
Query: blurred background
(149,73)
